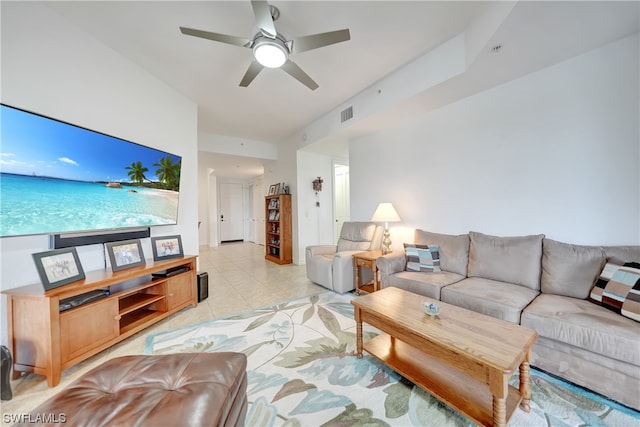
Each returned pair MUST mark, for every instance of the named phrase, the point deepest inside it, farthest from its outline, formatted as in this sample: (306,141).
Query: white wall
(554,152)
(284,169)
(207,206)
(316,222)
(236,146)
(51,67)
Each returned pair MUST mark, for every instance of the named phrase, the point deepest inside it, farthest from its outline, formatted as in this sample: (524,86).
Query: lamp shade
(385,213)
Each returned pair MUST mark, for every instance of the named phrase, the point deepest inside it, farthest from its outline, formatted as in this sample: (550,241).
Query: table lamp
(385,213)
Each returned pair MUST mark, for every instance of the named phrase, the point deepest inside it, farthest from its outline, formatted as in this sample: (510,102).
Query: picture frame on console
(125,254)
(166,247)
(58,267)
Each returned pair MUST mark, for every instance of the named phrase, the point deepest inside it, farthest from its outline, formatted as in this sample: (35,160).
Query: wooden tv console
(46,341)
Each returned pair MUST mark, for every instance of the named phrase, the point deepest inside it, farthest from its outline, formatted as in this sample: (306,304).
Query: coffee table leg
(358,332)
(499,386)
(525,383)
(499,411)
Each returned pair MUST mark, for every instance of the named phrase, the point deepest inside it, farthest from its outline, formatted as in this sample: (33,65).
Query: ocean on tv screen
(44,205)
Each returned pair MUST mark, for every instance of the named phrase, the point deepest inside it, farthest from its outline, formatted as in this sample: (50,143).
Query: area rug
(302,371)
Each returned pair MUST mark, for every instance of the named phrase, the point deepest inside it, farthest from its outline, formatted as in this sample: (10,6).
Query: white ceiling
(384,36)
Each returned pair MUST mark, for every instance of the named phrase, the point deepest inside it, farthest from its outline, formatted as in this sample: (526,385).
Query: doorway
(231,213)
(341,202)
(254,214)
(249,220)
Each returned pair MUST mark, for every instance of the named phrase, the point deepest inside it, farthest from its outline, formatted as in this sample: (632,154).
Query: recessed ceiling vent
(346,114)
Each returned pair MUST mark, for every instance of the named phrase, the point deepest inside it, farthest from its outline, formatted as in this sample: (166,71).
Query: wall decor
(317,184)
(125,254)
(58,267)
(166,247)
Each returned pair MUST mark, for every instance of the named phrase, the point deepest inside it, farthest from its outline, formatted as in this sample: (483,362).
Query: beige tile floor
(239,279)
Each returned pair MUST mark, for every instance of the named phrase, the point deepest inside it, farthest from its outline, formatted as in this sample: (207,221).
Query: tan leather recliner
(331,266)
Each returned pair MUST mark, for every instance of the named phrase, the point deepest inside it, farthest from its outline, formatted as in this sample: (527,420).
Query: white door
(231,213)
(258,213)
(249,218)
(341,194)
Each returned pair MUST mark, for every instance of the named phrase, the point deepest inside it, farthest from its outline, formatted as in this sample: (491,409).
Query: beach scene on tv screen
(59,178)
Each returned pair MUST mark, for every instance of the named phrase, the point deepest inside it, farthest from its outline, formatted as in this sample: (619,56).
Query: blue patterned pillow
(618,289)
(422,258)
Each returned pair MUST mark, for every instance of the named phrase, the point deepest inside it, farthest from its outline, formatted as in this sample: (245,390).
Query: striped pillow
(422,258)
(618,289)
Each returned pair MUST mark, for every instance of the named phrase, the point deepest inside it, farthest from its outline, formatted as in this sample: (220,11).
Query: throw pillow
(422,258)
(618,289)
(601,283)
(453,250)
(631,305)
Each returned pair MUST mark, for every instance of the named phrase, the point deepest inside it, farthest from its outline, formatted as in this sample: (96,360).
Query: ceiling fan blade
(251,73)
(305,43)
(223,38)
(262,11)
(296,72)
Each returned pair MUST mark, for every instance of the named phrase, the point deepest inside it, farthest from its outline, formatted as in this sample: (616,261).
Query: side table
(367,260)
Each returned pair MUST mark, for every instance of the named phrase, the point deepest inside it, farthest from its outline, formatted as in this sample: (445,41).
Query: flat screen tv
(56,177)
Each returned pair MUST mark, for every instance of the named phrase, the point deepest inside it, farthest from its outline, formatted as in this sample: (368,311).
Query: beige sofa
(541,284)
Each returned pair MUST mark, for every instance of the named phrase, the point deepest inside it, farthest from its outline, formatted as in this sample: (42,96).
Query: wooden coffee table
(463,358)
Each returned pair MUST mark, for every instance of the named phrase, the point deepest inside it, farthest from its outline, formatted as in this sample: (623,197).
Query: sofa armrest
(389,264)
(347,255)
(320,250)
(343,271)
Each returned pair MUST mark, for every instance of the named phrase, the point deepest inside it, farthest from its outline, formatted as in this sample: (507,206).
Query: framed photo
(166,247)
(272,189)
(125,254)
(58,267)
(276,188)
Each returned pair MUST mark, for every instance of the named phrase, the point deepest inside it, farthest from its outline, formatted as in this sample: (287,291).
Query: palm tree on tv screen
(168,173)
(136,172)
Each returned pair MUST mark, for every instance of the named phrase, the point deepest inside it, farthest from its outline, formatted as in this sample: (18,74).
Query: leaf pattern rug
(302,371)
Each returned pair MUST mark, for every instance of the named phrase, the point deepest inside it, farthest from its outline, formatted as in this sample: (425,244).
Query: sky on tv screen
(36,145)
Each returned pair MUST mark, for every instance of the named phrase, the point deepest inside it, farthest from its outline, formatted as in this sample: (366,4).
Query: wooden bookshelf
(278,246)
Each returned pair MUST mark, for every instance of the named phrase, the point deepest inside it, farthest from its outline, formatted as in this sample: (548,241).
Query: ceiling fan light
(270,54)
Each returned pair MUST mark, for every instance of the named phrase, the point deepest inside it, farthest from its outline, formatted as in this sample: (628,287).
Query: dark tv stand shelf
(46,341)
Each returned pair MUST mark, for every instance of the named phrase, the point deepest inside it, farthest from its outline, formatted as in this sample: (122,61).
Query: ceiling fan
(271,49)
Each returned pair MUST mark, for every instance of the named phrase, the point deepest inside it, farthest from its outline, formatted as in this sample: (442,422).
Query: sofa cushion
(506,259)
(569,270)
(583,324)
(497,299)
(356,236)
(622,254)
(426,284)
(422,258)
(454,250)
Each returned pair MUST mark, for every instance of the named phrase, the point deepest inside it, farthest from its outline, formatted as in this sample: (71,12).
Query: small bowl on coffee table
(430,308)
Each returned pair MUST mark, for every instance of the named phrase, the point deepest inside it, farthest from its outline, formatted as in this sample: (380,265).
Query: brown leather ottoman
(187,389)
